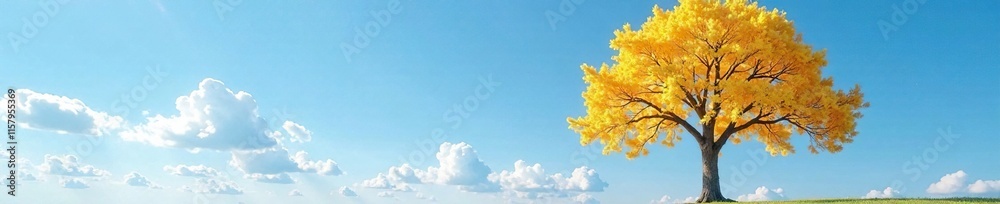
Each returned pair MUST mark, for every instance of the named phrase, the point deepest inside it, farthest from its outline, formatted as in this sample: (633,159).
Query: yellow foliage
(740,68)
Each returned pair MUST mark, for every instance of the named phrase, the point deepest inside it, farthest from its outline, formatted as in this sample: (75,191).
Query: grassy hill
(896,200)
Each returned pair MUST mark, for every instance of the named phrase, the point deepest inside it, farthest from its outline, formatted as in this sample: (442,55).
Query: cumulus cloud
(277,160)
(211,117)
(981,186)
(666,199)
(585,199)
(296,132)
(23,167)
(582,179)
(63,115)
(379,182)
(192,171)
(322,167)
(295,192)
(136,179)
(265,161)
(213,186)
(525,178)
(386,194)
(69,165)
(27,176)
(382,182)
(887,193)
(403,188)
(422,196)
(459,164)
(347,192)
(404,174)
(281,178)
(950,183)
(73,183)
(663,200)
(532,178)
(955,182)
(763,194)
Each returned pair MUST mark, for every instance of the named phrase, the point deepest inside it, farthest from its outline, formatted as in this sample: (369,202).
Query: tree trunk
(710,189)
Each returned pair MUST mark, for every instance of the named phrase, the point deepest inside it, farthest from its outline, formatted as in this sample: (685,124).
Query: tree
(721,71)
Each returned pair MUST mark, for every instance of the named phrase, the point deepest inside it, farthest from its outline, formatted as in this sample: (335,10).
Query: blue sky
(494,78)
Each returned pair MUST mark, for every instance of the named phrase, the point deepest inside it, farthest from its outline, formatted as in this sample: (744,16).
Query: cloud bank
(63,115)
(211,117)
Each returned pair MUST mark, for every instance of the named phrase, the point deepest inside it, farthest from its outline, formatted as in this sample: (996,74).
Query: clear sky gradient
(930,72)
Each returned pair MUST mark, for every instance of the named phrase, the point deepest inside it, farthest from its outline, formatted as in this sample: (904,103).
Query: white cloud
(213,186)
(533,180)
(136,179)
(211,117)
(192,171)
(296,132)
(281,178)
(525,178)
(347,192)
(663,200)
(382,182)
(63,115)
(585,199)
(404,174)
(277,160)
(403,188)
(23,166)
(295,192)
(950,183)
(459,164)
(887,193)
(27,176)
(264,161)
(386,194)
(379,182)
(422,196)
(981,186)
(73,183)
(582,179)
(322,167)
(666,199)
(763,194)
(69,165)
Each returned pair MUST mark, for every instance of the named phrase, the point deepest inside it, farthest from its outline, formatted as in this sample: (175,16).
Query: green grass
(895,200)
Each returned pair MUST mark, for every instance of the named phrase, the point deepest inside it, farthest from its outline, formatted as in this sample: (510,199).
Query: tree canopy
(721,71)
